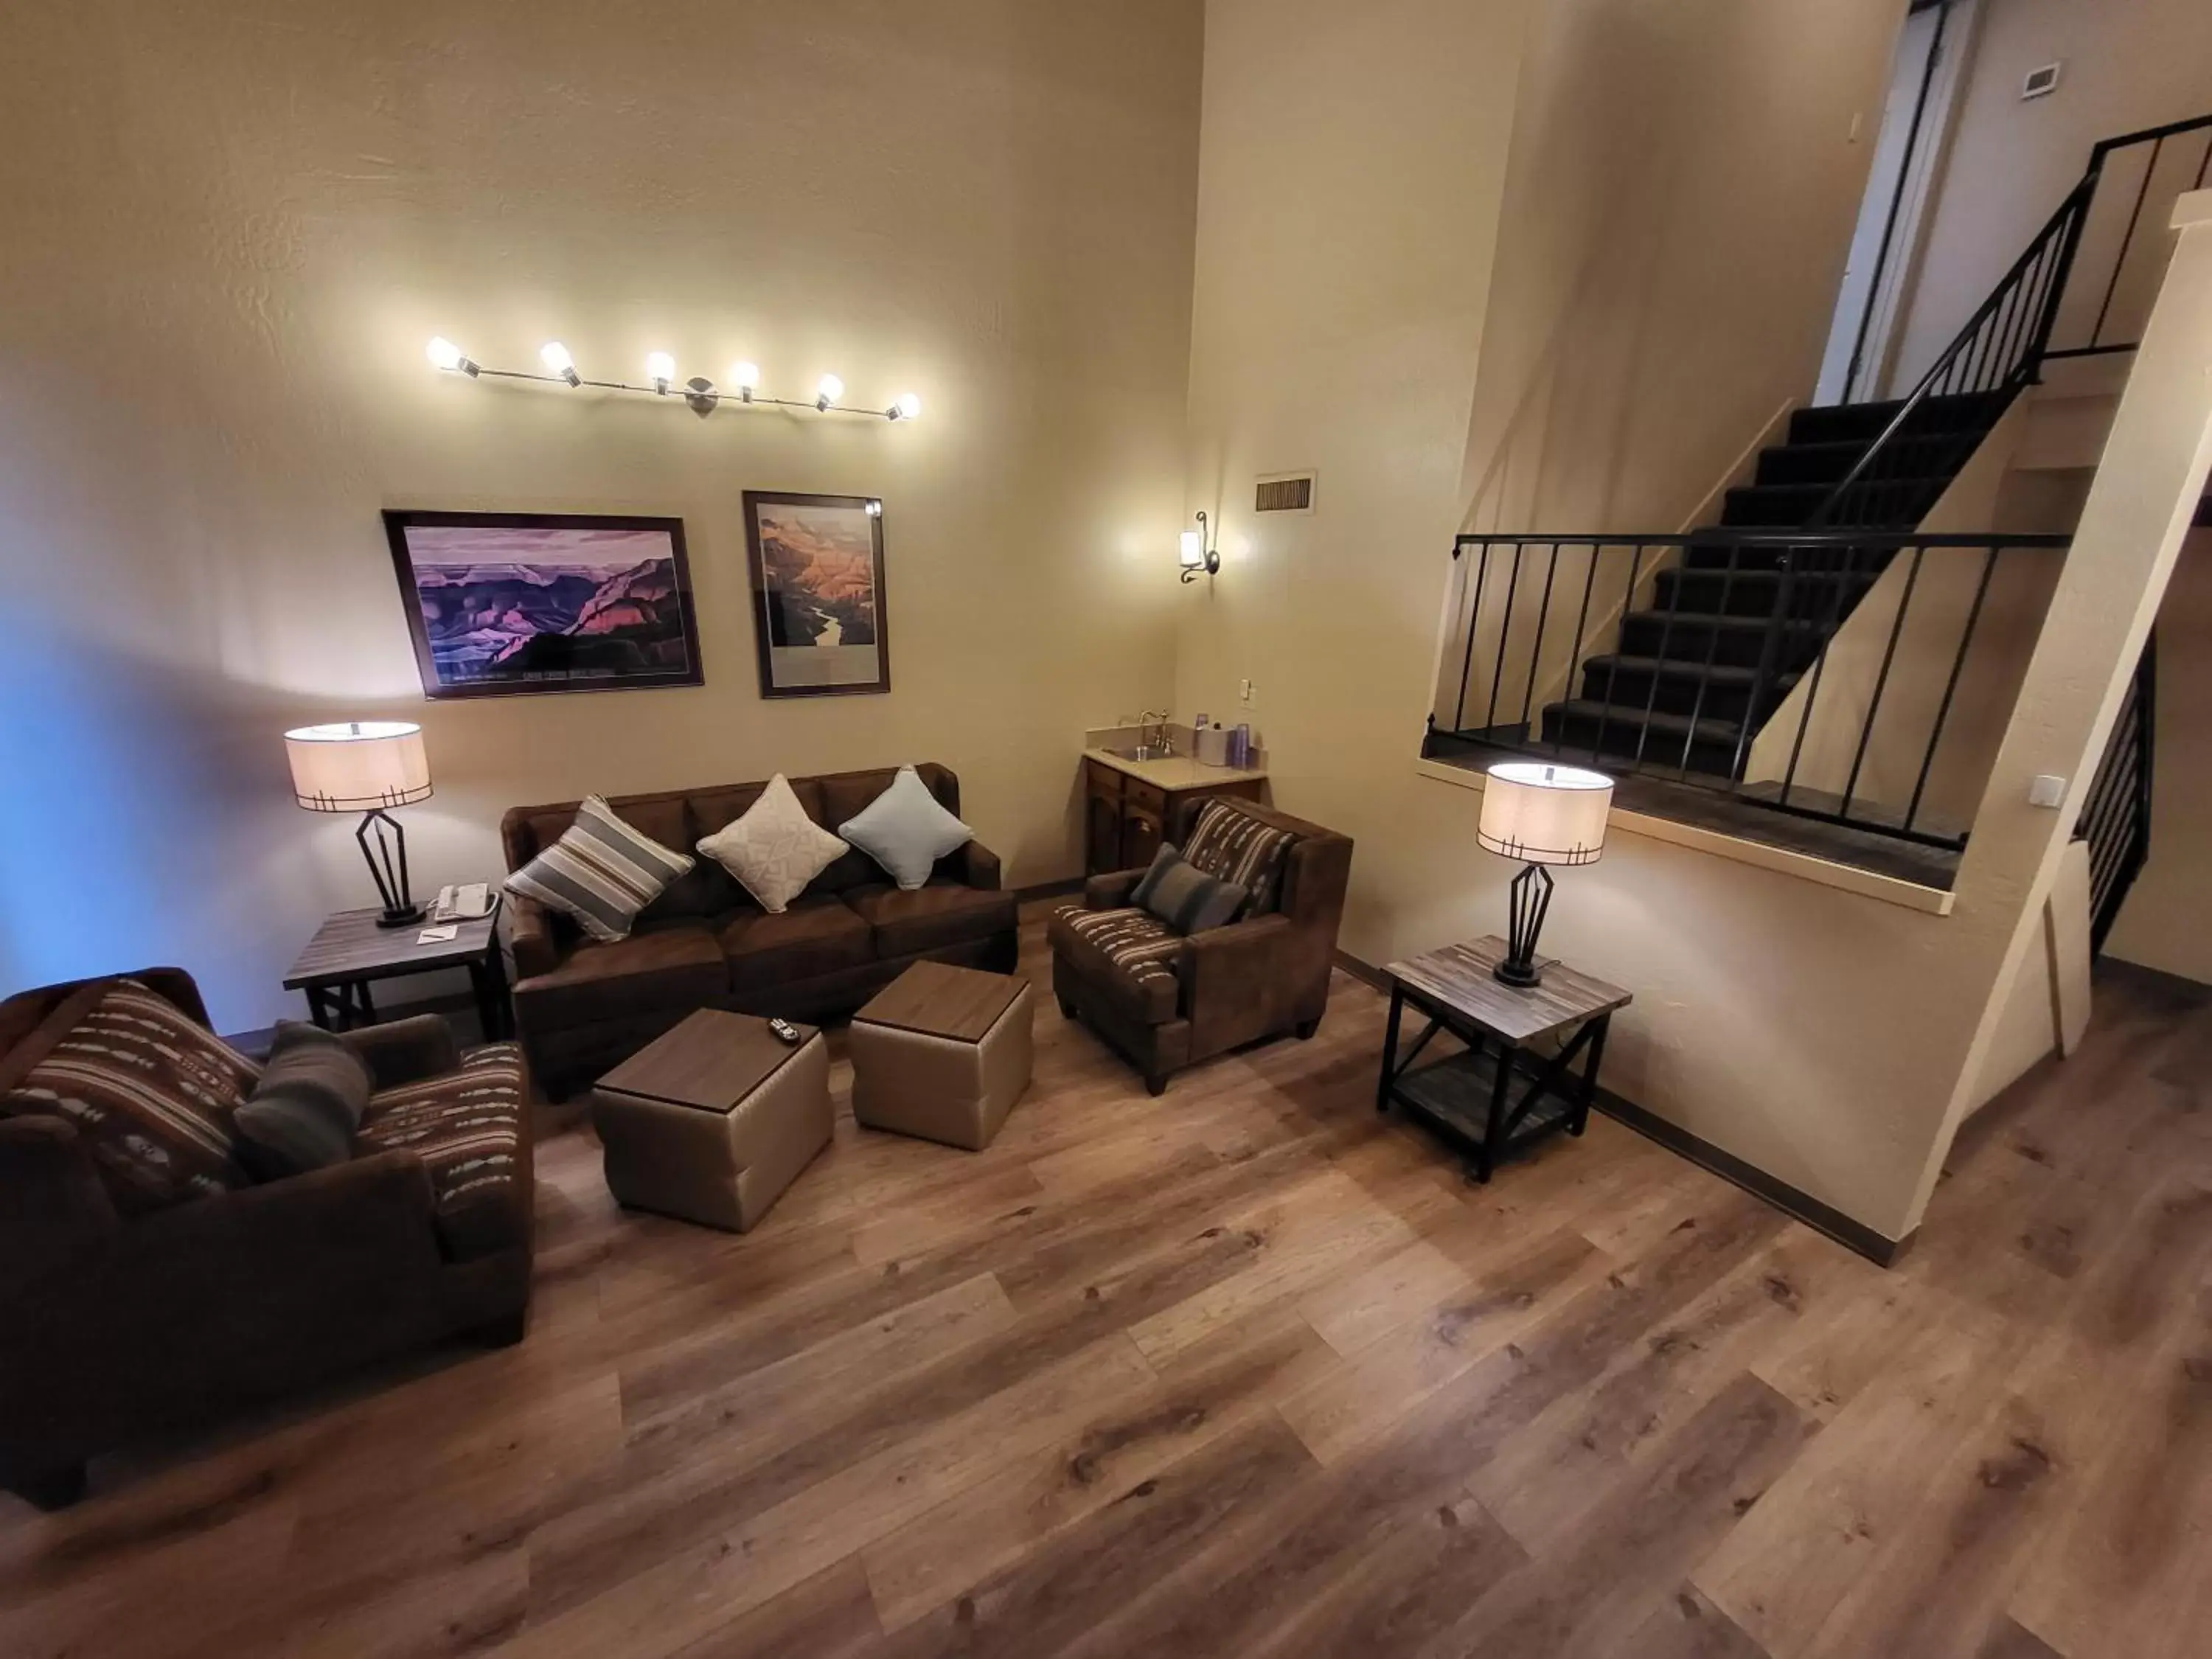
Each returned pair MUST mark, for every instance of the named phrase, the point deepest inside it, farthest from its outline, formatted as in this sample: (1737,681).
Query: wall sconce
(1199,555)
(700,393)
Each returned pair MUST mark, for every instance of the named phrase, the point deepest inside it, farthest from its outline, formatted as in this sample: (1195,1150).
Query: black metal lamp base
(1530,897)
(387,868)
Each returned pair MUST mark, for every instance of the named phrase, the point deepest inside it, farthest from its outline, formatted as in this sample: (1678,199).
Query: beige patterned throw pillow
(774,849)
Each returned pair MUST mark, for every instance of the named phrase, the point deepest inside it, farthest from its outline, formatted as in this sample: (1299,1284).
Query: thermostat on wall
(2040,80)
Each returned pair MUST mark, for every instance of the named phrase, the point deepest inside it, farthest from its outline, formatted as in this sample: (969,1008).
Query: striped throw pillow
(601,872)
(1231,845)
(152,1094)
(1184,897)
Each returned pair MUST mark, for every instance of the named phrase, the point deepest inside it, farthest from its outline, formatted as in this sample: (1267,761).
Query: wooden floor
(1246,1371)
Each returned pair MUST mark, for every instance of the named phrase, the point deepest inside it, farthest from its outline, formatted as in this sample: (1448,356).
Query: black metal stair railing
(1719,666)
(2116,814)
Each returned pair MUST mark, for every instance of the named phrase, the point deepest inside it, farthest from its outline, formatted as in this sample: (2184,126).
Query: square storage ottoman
(711,1121)
(942,1054)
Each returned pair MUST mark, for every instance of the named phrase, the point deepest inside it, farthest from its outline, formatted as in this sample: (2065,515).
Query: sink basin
(1142,752)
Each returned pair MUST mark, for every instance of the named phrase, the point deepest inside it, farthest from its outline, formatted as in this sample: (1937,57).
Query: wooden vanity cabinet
(1125,818)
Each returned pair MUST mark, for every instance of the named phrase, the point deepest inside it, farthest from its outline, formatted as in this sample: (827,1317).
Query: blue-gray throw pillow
(1183,896)
(307,1108)
(906,830)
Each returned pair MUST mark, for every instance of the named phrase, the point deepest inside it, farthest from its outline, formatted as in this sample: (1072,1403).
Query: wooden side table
(350,950)
(1470,1096)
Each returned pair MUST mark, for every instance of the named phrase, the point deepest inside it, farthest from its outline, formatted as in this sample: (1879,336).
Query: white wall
(230,230)
(2129,65)
(2166,922)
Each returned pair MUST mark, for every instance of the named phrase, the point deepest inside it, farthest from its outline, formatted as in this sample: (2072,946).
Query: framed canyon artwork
(501,604)
(817,580)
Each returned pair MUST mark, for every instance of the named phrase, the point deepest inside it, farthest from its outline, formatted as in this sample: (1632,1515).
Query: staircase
(1684,687)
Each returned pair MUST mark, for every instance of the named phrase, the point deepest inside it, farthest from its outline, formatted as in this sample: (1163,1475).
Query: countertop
(1181,772)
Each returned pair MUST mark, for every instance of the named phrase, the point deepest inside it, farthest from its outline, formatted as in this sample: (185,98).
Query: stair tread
(1710,619)
(1631,714)
(1719,673)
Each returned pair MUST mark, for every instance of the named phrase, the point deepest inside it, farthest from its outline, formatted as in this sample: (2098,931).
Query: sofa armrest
(405,1050)
(982,868)
(52,1206)
(376,1210)
(1110,891)
(1234,985)
(525,934)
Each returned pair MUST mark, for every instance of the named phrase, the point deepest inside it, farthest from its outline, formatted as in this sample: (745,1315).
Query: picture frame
(520,604)
(817,569)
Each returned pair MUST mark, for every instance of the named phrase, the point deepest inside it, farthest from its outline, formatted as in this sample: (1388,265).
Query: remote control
(784,1031)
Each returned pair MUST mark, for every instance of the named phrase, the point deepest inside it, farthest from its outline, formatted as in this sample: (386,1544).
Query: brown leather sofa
(582,1007)
(118,1327)
(1167,1001)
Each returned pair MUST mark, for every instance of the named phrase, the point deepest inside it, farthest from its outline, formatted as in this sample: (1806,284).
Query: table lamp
(1541,815)
(366,767)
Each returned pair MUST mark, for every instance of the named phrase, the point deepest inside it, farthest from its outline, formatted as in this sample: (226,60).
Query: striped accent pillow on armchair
(601,872)
(1232,845)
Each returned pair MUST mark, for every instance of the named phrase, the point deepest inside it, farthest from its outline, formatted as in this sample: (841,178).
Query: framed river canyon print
(817,582)
(503,603)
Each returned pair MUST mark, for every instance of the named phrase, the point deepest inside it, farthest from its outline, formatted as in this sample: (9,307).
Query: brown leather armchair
(117,1327)
(1167,1001)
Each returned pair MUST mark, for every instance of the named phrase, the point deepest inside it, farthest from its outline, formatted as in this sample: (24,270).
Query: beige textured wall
(1341,306)
(2166,922)
(229,231)
(2129,65)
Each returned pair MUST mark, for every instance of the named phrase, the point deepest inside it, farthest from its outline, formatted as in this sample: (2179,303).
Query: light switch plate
(2045,790)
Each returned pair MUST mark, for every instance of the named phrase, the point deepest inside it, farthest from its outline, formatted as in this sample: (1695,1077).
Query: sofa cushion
(151,1092)
(774,849)
(467,1127)
(307,1107)
(819,934)
(931,918)
(905,829)
(1231,845)
(1129,950)
(602,870)
(679,966)
(847,794)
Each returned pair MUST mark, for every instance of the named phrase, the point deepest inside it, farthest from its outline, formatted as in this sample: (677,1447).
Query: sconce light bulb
(555,357)
(1193,549)
(661,368)
(907,408)
(827,391)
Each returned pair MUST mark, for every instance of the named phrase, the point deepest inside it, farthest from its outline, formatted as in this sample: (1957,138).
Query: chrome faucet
(1152,720)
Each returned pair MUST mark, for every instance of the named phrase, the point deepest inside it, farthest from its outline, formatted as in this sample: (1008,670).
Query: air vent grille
(1288,492)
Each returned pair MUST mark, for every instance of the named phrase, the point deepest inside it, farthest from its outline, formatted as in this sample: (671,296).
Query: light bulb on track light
(827,391)
(444,354)
(746,378)
(906,407)
(555,357)
(660,368)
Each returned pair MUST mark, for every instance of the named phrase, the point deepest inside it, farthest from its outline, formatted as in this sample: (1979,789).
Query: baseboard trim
(1856,1236)
(1877,1247)
(1360,971)
(1045,889)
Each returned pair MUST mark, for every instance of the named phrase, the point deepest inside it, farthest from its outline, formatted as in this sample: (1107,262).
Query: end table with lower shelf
(350,950)
(1470,1096)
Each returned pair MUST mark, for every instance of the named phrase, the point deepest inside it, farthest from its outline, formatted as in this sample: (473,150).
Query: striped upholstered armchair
(1167,999)
(148,1282)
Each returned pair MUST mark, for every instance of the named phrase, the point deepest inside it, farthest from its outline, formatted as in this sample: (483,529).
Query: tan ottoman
(711,1121)
(943,1053)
